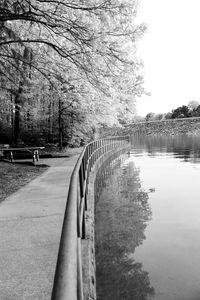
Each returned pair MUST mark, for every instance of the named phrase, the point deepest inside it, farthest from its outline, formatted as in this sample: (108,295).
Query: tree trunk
(60,125)
(17,116)
(12,118)
(17,102)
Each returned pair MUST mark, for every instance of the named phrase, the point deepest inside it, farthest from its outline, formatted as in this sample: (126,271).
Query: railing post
(79,272)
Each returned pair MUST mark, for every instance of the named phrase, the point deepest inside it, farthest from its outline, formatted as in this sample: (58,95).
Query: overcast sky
(171,53)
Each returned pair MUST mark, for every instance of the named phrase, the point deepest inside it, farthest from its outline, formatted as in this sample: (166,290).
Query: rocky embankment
(172,127)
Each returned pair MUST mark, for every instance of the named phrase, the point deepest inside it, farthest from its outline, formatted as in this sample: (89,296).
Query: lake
(147,221)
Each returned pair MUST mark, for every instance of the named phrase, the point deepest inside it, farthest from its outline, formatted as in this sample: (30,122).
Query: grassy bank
(14,176)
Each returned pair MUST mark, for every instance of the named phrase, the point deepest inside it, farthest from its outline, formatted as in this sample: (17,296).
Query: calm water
(148,222)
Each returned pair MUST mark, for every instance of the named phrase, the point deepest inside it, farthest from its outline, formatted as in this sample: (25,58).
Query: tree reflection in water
(121,216)
(182,146)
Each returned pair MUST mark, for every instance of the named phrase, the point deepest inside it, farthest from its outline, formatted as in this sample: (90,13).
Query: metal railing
(68,282)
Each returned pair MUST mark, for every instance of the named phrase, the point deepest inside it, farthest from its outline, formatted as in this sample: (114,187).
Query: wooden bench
(8,153)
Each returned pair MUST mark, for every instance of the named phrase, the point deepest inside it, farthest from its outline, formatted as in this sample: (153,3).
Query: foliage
(122,215)
(184,111)
(6,133)
(193,104)
(150,116)
(181,112)
(57,57)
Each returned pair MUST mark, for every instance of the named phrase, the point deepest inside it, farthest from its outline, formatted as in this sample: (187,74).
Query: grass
(14,176)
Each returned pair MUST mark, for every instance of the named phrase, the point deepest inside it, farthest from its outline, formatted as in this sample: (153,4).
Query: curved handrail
(68,283)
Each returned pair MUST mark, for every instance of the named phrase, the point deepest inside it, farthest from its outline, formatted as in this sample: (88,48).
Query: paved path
(30,227)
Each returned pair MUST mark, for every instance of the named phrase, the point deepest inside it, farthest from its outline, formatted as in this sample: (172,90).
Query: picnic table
(9,152)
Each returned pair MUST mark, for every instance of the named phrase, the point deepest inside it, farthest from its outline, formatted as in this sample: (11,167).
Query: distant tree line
(184,111)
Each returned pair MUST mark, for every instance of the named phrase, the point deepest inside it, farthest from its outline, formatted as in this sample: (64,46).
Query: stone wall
(175,126)
(88,246)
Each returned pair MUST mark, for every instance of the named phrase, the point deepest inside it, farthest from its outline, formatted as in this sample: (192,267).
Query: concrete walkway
(30,227)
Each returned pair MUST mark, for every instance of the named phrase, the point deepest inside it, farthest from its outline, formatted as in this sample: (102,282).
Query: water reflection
(170,253)
(121,216)
(186,147)
(144,255)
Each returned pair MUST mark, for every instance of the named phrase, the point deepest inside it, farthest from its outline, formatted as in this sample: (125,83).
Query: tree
(193,104)
(196,111)
(168,115)
(159,117)
(150,116)
(81,32)
(181,112)
(51,45)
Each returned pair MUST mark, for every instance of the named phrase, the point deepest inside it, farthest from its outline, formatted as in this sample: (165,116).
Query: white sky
(171,53)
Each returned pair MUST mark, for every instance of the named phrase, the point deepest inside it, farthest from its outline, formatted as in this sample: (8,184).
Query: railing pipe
(67,258)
